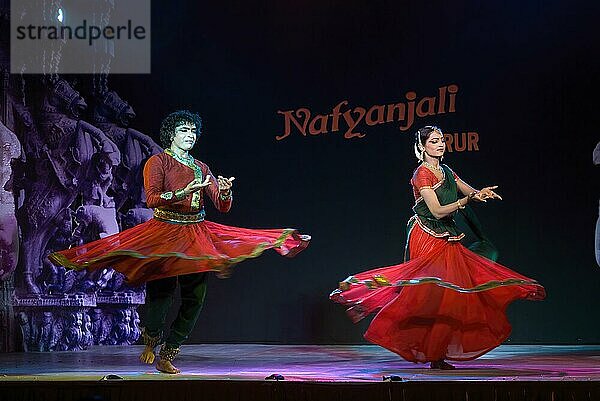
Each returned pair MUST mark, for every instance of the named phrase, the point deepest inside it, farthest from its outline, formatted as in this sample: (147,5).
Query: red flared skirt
(157,249)
(445,303)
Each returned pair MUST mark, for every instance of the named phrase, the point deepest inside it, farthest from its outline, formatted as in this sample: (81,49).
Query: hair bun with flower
(419,146)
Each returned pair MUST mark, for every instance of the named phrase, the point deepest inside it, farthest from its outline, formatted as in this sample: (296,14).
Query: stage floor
(254,362)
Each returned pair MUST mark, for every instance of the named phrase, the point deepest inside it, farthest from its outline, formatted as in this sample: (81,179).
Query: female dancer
(178,245)
(445,302)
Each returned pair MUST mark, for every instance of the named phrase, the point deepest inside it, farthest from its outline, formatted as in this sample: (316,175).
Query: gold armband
(167,195)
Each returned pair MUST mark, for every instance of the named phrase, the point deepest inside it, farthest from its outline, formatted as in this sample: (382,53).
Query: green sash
(447,193)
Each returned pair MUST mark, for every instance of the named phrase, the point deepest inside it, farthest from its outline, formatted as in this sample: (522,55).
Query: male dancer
(178,245)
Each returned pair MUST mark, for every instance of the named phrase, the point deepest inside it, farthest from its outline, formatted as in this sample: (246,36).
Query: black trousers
(159,300)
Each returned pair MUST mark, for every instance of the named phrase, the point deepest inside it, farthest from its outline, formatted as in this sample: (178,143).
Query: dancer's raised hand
(196,185)
(487,193)
(225,184)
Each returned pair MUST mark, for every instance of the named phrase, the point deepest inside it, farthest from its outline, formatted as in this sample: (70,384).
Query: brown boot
(167,354)
(150,343)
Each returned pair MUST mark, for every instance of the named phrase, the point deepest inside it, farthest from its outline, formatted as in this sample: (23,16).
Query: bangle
(459,205)
(472,194)
(225,196)
(180,194)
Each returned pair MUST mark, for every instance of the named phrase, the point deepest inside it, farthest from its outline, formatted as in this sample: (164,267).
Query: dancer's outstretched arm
(465,188)
(438,210)
(478,195)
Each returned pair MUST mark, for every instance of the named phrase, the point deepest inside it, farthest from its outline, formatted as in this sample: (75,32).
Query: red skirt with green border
(157,249)
(445,303)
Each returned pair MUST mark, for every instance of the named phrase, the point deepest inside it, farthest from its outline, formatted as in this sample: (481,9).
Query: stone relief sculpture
(71,188)
(74,336)
(39,331)
(10,149)
(68,146)
(54,279)
(101,325)
(113,116)
(99,180)
(68,175)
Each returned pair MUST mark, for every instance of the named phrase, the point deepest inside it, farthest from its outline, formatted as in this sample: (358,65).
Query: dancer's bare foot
(441,364)
(147,355)
(150,343)
(167,354)
(166,367)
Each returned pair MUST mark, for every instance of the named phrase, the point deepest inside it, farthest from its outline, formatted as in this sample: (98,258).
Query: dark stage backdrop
(519,87)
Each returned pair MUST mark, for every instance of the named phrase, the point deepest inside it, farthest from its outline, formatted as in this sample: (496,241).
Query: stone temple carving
(80,181)
(10,149)
(113,116)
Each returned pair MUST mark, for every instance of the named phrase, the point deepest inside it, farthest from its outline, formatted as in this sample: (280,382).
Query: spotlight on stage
(275,376)
(111,377)
(392,378)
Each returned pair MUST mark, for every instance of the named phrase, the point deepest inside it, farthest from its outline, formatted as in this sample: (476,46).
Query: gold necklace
(432,167)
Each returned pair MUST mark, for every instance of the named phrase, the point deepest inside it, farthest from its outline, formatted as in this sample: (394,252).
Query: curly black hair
(175,119)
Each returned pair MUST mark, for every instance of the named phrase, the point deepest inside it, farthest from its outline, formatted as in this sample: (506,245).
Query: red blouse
(163,175)
(425,178)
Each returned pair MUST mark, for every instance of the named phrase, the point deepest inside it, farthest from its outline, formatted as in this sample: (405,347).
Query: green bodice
(446,227)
